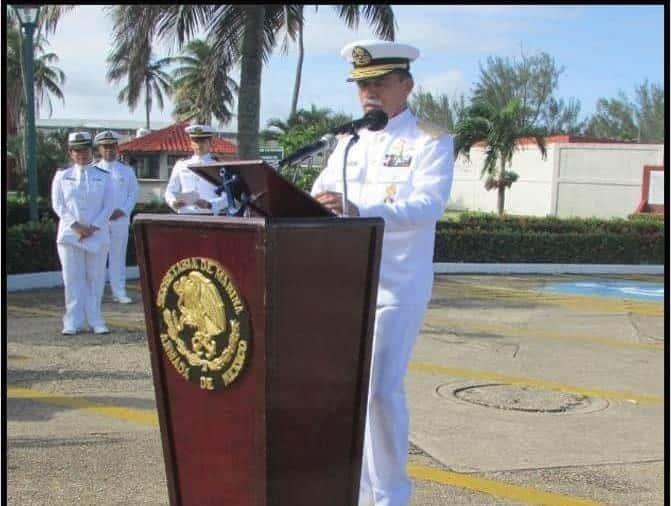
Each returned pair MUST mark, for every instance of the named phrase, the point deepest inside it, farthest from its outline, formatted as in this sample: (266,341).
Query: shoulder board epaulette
(101,169)
(431,129)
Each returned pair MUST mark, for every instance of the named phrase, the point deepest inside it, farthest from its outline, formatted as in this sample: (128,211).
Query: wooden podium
(260,335)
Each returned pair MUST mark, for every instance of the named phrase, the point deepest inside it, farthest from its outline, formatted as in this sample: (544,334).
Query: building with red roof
(154,154)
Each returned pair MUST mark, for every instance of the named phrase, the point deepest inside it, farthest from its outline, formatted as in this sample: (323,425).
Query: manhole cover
(521,398)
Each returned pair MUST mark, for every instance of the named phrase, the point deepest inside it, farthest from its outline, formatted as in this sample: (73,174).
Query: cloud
(450,83)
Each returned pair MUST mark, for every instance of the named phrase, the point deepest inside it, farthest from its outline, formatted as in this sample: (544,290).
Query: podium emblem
(204,327)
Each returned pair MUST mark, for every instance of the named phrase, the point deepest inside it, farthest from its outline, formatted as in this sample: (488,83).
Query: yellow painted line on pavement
(149,418)
(48,312)
(496,488)
(518,331)
(576,302)
(140,416)
(535,383)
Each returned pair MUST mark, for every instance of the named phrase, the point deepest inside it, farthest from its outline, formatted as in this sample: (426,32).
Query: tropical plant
(619,118)
(560,117)
(650,112)
(52,154)
(202,85)
(500,129)
(613,119)
(532,81)
(144,76)
(48,78)
(437,109)
(380,17)
(245,33)
(304,127)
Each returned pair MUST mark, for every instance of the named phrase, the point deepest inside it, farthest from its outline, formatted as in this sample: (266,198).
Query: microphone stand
(352,141)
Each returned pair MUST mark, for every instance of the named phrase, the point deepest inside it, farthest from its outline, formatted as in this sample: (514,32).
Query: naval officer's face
(81,155)
(201,146)
(389,93)
(108,152)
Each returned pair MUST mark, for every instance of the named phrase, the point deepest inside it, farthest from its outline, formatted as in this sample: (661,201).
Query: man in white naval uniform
(187,192)
(403,174)
(83,198)
(125,196)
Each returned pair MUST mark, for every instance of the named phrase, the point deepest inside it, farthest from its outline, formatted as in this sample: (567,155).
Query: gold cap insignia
(361,57)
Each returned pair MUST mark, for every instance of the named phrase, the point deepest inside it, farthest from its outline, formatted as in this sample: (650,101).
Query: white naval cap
(374,58)
(199,131)
(107,137)
(79,139)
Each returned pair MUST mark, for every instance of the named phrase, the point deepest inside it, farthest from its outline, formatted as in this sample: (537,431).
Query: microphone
(328,141)
(374,120)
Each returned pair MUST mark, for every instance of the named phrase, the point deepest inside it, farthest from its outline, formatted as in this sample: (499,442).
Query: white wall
(601,180)
(576,179)
(529,195)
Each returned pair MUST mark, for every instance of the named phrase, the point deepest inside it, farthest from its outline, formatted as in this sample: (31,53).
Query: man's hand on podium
(333,202)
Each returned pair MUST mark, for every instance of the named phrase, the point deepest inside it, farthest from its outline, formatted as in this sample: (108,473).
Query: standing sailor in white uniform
(402,174)
(187,192)
(83,198)
(125,196)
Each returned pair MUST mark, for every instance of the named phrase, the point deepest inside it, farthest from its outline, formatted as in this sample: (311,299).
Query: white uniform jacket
(183,180)
(83,194)
(125,185)
(404,175)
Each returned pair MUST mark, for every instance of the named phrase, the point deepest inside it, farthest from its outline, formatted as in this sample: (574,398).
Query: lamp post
(27,15)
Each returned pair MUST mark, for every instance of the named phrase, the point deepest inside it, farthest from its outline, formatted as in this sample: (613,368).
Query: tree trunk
(147,100)
(501,200)
(299,70)
(249,96)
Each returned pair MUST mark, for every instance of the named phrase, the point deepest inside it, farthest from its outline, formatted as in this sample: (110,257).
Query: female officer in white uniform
(82,197)
(403,174)
(183,180)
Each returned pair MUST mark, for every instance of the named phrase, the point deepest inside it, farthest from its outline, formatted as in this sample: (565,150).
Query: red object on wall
(644,206)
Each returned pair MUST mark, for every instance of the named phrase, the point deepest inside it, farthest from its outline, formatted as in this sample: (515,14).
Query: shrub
(31,247)
(479,237)
(18,211)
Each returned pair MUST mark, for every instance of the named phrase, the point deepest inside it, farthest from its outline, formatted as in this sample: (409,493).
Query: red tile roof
(173,139)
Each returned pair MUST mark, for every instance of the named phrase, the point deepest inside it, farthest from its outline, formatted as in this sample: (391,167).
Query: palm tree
(246,33)
(48,80)
(306,126)
(202,85)
(381,17)
(48,77)
(144,76)
(500,129)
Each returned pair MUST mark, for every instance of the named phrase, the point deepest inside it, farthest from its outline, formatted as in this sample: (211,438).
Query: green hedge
(479,237)
(17,210)
(473,238)
(31,247)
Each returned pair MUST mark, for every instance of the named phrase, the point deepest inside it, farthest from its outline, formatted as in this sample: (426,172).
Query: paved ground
(517,396)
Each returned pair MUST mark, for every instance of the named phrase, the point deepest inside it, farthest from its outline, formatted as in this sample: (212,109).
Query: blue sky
(604,49)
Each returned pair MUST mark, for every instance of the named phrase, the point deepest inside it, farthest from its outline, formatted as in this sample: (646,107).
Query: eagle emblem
(204,326)
(361,57)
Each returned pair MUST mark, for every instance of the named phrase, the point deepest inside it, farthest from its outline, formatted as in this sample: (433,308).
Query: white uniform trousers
(117,255)
(84,280)
(385,453)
